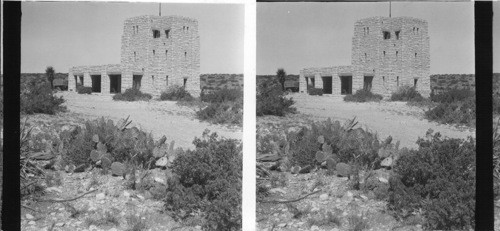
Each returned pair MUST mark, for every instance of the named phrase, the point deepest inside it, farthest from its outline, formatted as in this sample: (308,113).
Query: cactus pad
(320,156)
(101,147)
(295,169)
(330,163)
(95,155)
(343,169)
(118,169)
(95,138)
(321,139)
(327,149)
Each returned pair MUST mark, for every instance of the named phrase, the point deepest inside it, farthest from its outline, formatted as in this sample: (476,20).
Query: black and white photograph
(131,116)
(366,116)
(496,112)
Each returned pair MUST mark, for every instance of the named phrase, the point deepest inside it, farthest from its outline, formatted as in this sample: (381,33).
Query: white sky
(294,36)
(66,34)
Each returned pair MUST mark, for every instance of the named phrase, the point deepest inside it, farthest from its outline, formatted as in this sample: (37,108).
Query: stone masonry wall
(394,61)
(318,73)
(219,81)
(176,57)
(442,83)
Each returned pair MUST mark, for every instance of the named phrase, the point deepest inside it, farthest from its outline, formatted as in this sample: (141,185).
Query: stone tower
(387,53)
(392,52)
(156,52)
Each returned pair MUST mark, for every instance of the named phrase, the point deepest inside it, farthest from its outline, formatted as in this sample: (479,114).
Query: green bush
(363,96)
(315,91)
(83,90)
(407,93)
(176,93)
(438,179)
(222,95)
(457,112)
(37,97)
(453,95)
(208,179)
(122,143)
(223,113)
(132,94)
(271,99)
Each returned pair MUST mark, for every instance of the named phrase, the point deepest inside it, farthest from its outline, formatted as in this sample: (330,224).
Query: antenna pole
(160,9)
(390,9)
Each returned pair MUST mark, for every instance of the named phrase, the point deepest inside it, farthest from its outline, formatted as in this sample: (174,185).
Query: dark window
(185,55)
(156,33)
(366,57)
(135,56)
(417,29)
(167,33)
(185,80)
(364,30)
(368,30)
(415,82)
(384,53)
(167,80)
(397,34)
(387,35)
(153,52)
(166,54)
(415,55)
(397,81)
(396,54)
(187,28)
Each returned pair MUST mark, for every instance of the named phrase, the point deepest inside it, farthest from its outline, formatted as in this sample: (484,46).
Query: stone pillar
(71,81)
(105,83)
(318,82)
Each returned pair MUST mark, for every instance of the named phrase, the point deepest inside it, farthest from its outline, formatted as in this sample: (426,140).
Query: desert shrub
(350,145)
(271,99)
(223,113)
(363,96)
(439,179)
(132,94)
(37,97)
(121,142)
(496,104)
(176,92)
(315,91)
(461,112)
(208,179)
(407,93)
(222,95)
(453,95)
(83,90)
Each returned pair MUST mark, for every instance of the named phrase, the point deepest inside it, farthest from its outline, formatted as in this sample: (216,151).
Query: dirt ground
(158,117)
(402,122)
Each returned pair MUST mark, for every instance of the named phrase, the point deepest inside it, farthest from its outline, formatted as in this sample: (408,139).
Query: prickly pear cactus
(160,151)
(330,164)
(95,138)
(321,139)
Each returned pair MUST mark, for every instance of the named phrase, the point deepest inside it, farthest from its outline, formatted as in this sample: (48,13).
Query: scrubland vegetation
(433,185)
(272,100)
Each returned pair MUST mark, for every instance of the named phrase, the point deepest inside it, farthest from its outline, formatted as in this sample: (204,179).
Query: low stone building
(386,53)
(156,52)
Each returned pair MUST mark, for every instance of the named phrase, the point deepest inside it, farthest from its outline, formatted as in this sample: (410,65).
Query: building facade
(386,53)
(156,52)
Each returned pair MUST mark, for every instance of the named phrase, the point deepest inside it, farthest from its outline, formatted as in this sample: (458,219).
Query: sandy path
(158,117)
(402,122)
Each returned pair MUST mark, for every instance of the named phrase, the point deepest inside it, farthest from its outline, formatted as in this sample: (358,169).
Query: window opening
(153,52)
(396,54)
(387,35)
(415,55)
(384,53)
(135,57)
(397,34)
(156,33)
(167,33)
(397,81)
(166,54)
(185,54)
(366,57)
(167,80)
(415,82)
(368,30)
(185,80)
